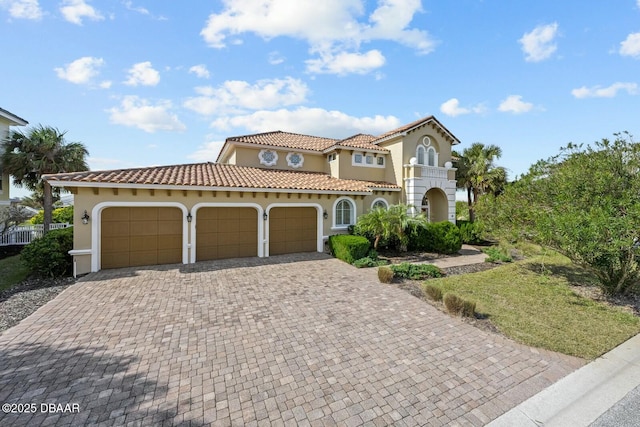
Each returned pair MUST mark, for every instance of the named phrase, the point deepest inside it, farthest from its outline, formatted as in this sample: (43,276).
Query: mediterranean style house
(266,194)
(7,119)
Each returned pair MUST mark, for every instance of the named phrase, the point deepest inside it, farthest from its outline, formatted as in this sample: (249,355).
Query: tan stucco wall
(246,156)
(87,199)
(346,170)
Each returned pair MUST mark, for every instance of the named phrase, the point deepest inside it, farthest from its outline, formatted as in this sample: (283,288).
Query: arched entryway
(435,205)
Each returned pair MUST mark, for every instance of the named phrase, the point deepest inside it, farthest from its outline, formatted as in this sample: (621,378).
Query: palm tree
(478,174)
(383,223)
(41,150)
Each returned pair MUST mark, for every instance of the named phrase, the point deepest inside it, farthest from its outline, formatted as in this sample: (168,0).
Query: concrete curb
(582,396)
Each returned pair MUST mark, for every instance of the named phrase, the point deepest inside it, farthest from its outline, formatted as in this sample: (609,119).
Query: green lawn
(12,271)
(540,309)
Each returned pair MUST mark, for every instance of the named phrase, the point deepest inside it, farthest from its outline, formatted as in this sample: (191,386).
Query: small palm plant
(387,223)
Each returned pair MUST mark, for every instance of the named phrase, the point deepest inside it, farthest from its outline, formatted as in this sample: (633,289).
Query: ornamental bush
(432,292)
(406,270)
(49,255)
(385,274)
(470,232)
(447,238)
(58,216)
(349,248)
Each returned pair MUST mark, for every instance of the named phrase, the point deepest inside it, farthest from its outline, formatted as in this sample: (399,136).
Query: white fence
(24,234)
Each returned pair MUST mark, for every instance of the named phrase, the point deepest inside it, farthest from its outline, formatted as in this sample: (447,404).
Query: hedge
(349,248)
(49,255)
(441,237)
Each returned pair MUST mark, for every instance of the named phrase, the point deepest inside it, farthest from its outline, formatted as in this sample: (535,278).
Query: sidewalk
(583,396)
(467,255)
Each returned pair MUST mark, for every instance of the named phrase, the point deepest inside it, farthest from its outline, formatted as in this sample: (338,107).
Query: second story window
(357,158)
(268,157)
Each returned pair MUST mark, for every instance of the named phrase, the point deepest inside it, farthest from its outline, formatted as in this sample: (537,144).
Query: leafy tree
(477,173)
(58,216)
(36,199)
(41,150)
(583,203)
(12,216)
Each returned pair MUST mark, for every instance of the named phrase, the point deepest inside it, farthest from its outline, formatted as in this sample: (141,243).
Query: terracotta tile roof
(361,141)
(217,175)
(441,129)
(286,140)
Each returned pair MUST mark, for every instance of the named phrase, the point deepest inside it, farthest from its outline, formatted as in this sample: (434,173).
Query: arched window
(420,154)
(344,212)
(431,157)
(379,203)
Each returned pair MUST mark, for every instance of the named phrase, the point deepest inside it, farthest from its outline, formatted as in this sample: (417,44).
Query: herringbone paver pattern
(289,340)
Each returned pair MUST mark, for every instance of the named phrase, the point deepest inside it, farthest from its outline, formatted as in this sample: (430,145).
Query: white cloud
(312,121)
(605,92)
(141,10)
(143,74)
(514,104)
(207,152)
(275,58)
(75,10)
(23,9)
(200,71)
(452,108)
(239,96)
(539,45)
(330,27)
(140,113)
(631,45)
(81,71)
(345,63)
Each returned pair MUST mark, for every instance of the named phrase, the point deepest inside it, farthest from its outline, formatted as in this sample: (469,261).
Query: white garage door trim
(96,226)
(319,229)
(194,221)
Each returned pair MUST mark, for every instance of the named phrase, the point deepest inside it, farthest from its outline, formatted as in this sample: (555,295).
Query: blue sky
(152,82)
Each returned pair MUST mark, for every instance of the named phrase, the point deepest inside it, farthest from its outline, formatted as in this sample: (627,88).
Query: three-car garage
(153,235)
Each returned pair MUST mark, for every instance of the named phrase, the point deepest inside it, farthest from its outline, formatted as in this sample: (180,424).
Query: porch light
(85,217)
(325,215)
(265,216)
(189,217)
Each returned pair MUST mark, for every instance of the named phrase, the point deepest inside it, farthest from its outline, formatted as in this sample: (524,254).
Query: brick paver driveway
(289,340)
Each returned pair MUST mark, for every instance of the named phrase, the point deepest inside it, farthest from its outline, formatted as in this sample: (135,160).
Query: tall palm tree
(41,150)
(478,174)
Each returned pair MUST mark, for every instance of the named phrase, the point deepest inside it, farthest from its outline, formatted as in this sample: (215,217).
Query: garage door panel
(169,242)
(168,256)
(226,232)
(134,236)
(293,229)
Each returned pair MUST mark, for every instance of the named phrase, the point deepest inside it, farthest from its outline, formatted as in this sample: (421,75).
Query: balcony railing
(25,234)
(433,172)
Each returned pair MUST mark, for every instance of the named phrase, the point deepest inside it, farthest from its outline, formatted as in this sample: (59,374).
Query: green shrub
(368,262)
(468,308)
(349,248)
(49,255)
(406,270)
(447,238)
(496,255)
(58,216)
(385,274)
(470,232)
(453,303)
(433,292)
(420,237)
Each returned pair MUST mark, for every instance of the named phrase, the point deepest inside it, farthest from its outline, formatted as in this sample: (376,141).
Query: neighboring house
(268,193)
(7,119)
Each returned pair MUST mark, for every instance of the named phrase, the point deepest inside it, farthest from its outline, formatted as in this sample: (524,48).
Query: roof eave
(12,118)
(83,184)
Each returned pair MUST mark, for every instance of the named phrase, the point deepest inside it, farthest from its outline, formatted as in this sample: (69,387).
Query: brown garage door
(292,230)
(226,233)
(133,236)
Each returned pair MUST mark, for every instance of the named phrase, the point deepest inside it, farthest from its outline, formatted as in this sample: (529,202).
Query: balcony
(432,172)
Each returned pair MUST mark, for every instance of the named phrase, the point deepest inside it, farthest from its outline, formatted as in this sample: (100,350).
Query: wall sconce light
(85,217)
(265,216)
(189,217)
(325,215)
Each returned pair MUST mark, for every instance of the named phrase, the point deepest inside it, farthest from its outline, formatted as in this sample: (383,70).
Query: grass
(531,302)
(12,271)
